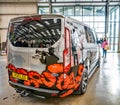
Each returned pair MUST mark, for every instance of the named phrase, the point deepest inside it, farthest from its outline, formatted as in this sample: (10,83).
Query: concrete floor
(103,87)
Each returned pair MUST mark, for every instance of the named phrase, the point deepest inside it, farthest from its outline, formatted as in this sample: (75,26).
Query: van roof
(36,17)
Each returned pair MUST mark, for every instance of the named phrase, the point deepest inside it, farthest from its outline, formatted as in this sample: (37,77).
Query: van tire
(83,84)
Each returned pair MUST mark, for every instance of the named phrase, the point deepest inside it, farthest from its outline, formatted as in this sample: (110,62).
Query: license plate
(19,76)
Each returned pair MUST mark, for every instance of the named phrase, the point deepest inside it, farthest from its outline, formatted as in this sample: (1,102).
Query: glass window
(78,11)
(89,23)
(44,10)
(57,10)
(32,33)
(113,27)
(114,11)
(99,18)
(117,14)
(89,35)
(99,26)
(113,43)
(79,18)
(99,11)
(88,11)
(88,15)
(117,29)
(69,11)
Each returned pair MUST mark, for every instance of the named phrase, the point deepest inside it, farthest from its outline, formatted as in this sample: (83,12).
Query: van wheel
(83,85)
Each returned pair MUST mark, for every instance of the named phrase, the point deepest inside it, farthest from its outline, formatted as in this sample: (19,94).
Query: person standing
(103,45)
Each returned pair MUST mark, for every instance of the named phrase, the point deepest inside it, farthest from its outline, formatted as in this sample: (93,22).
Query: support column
(50,6)
(106,17)
(119,33)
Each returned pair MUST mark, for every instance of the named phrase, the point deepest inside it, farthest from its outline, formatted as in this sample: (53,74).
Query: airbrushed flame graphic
(46,78)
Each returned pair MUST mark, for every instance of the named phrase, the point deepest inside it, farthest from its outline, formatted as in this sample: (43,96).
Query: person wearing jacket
(103,45)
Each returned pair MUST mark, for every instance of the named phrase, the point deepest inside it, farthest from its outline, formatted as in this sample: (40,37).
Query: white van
(50,55)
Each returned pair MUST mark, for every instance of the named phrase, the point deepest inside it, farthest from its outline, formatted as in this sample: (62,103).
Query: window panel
(113,28)
(117,14)
(89,35)
(88,11)
(88,18)
(69,11)
(113,43)
(78,11)
(43,10)
(99,11)
(99,18)
(99,26)
(79,18)
(57,10)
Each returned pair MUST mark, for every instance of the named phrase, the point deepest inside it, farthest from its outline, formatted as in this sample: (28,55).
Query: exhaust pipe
(22,93)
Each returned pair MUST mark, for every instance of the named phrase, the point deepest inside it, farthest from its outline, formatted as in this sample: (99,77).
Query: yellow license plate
(19,76)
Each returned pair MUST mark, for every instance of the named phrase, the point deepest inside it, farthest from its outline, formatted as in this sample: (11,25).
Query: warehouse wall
(10,10)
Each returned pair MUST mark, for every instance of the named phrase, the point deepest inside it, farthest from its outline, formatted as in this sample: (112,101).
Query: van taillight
(67,62)
(67,51)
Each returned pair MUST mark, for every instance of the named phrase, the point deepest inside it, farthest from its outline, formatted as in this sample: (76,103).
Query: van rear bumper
(35,91)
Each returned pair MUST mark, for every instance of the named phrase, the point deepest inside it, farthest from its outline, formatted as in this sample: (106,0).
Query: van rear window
(35,33)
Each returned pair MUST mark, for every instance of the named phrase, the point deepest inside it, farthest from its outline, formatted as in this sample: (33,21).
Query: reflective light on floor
(112,72)
(114,82)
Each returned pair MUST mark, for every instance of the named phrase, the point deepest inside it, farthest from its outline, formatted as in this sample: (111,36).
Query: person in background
(103,45)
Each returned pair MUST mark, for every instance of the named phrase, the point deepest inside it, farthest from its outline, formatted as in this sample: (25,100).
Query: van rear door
(16,49)
(38,34)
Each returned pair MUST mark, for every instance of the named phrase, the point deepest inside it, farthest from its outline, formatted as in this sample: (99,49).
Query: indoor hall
(52,52)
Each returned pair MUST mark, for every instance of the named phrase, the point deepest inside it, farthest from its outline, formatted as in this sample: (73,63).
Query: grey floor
(103,87)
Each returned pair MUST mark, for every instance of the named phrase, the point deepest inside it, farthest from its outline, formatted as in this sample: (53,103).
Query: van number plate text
(19,76)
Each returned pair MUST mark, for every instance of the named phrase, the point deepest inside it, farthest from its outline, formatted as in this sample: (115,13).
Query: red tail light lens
(67,51)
